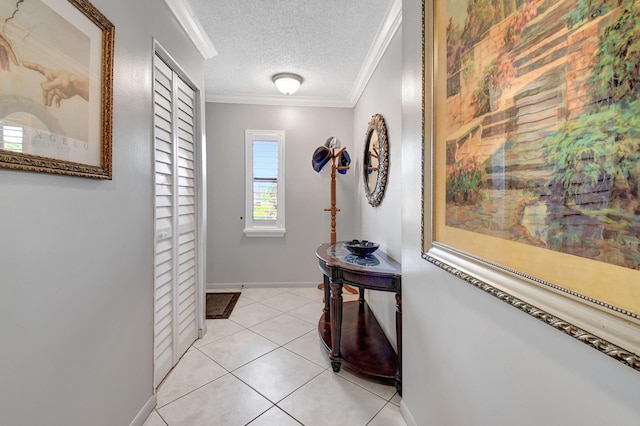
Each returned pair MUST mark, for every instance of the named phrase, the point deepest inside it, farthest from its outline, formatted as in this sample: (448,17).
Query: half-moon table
(349,330)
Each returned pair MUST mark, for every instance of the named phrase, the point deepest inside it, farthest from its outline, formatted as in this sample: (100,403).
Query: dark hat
(321,156)
(344,161)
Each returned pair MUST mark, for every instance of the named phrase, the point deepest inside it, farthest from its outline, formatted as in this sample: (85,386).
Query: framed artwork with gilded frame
(56,76)
(532,159)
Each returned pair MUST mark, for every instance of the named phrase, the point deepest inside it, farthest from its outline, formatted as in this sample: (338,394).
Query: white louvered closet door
(176,325)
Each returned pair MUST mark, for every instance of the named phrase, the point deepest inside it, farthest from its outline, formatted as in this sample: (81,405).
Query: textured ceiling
(332,44)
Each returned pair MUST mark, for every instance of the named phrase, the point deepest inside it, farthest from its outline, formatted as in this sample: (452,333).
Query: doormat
(220,305)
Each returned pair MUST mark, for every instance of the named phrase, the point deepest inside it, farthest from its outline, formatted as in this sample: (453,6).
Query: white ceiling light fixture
(287,83)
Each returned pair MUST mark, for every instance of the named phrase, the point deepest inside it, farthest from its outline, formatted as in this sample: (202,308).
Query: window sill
(264,232)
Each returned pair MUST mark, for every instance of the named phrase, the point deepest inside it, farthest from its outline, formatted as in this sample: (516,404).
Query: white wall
(76,262)
(382,224)
(470,359)
(234,258)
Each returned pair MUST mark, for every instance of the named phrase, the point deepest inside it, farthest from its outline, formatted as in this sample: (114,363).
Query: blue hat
(320,157)
(344,161)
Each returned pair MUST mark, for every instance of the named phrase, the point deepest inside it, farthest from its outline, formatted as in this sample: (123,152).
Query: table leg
(399,342)
(336,323)
(327,294)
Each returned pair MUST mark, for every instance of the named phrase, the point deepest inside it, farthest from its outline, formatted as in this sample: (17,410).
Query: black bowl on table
(361,247)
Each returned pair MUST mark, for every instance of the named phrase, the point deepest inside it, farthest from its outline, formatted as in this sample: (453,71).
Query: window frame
(259,228)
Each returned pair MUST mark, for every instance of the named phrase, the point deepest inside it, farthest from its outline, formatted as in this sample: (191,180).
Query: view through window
(265,180)
(11,137)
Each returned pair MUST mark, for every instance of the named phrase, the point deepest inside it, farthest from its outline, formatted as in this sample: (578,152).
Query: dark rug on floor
(220,305)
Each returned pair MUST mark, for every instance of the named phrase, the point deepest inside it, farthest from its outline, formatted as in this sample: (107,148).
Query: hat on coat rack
(321,156)
(344,161)
(332,142)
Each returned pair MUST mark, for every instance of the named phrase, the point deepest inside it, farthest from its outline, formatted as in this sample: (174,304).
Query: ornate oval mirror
(376,160)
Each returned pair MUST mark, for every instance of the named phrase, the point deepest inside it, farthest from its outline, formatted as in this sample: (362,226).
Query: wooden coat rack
(333,209)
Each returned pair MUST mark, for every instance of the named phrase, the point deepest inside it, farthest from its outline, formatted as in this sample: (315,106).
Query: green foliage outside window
(265,201)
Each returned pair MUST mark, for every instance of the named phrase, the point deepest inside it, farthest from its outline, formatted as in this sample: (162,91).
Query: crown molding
(192,26)
(387,31)
(292,100)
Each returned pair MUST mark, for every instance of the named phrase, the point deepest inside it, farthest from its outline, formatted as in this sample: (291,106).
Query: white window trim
(252,228)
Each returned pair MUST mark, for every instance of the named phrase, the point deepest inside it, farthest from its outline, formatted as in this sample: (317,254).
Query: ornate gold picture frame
(533,162)
(56,77)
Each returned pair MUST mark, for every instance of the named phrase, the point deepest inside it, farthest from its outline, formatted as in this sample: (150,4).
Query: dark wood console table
(349,330)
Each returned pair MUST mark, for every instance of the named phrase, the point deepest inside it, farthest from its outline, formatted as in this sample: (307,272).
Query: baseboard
(144,412)
(215,286)
(406,414)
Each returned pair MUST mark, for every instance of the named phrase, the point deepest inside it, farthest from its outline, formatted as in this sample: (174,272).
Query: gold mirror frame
(377,128)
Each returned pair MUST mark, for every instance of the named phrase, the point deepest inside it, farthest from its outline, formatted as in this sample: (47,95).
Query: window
(11,137)
(264,168)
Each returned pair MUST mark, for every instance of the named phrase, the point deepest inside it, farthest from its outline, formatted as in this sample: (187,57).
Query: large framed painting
(532,159)
(56,73)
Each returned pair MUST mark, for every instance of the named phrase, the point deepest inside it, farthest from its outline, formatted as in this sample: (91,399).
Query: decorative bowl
(361,247)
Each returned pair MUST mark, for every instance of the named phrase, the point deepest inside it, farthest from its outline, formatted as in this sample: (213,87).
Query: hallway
(265,365)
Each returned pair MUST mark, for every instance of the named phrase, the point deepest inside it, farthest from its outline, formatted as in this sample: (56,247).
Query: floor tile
(330,399)
(253,314)
(272,357)
(389,415)
(217,329)
(278,373)
(236,350)
(193,371)
(283,328)
(154,419)
(259,294)
(396,399)
(243,301)
(285,302)
(310,312)
(224,402)
(311,293)
(384,391)
(310,347)
(274,417)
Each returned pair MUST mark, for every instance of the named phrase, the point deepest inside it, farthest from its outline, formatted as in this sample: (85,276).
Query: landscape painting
(537,140)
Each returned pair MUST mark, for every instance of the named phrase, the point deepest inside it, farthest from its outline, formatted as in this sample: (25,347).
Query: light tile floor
(265,365)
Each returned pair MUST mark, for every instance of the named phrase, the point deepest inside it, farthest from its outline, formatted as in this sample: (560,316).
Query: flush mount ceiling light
(287,83)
